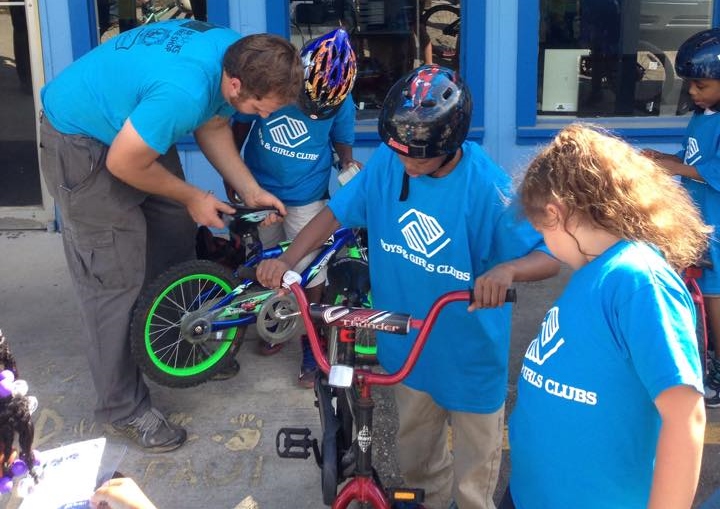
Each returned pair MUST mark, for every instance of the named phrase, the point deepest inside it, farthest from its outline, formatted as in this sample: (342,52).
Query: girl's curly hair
(596,176)
(15,421)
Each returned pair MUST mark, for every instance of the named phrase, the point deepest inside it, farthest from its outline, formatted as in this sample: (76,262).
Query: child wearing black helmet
(438,219)
(698,165)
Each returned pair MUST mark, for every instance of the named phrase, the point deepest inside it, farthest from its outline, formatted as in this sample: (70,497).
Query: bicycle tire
(158,344)
(445,46)
(349,285)
(659,57)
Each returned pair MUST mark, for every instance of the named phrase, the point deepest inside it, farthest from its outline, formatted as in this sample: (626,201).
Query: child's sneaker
(308,366)
(712,392)
(712,383)
(265,348)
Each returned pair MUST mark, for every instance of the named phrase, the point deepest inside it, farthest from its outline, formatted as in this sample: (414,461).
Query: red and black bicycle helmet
(330,69)
(426,113)
(699,56)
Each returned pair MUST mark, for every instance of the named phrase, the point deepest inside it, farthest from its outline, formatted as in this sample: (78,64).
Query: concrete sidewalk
(230,453)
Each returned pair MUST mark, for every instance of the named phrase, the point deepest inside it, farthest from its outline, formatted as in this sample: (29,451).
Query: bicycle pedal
(294,443)
(406,495)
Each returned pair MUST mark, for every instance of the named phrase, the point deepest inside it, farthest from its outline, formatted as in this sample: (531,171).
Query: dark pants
(506,502)
(116,238)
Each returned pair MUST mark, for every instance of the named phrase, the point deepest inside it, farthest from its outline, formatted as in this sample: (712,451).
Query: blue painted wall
(493,70)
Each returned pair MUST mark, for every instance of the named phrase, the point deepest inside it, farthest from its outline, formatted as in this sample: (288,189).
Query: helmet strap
(405,190)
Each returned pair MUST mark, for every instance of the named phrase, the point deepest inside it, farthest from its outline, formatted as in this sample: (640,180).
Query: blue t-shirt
(449,231)
(290,154)
(701,149)
(165,77)
(584,428)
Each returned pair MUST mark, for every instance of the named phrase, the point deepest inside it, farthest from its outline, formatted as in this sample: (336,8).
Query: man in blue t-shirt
(290,153)
(438,218)
(108,132)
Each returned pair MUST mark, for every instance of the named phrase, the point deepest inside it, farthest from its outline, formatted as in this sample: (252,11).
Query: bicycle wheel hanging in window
(442,23)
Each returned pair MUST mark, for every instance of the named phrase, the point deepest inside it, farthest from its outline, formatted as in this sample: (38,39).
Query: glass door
(24,202)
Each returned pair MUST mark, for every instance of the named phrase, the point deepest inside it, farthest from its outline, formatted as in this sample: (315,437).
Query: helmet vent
(428,103)
(448,92)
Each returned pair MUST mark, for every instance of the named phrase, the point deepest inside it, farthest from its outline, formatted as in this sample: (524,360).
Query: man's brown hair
(266,64)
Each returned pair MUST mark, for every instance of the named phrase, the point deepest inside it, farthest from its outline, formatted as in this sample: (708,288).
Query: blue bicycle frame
(341,237)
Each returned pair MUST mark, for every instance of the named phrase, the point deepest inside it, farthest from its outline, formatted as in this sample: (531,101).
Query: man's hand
(234,197)
(205,209)
(270,272)
(120,493)
(260,197)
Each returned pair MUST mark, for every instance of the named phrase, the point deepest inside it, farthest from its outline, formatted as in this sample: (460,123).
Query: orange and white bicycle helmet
(330,70)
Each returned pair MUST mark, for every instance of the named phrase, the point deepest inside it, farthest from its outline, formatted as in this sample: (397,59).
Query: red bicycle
(690,277)
(344,398)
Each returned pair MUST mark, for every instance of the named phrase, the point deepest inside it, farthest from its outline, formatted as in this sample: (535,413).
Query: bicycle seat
(246,218)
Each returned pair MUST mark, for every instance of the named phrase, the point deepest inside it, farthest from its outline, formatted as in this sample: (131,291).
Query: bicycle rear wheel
(170,336)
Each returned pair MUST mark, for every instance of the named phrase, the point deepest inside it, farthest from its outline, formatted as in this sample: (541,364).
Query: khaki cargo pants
(469,473)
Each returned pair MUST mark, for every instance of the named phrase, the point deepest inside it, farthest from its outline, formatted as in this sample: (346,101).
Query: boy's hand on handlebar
(491,288)
(270,272)
(206,209)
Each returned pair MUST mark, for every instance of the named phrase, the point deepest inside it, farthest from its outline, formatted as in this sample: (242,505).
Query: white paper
(69,476)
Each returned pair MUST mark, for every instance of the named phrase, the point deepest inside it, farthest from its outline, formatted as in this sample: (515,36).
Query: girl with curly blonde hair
(610,410)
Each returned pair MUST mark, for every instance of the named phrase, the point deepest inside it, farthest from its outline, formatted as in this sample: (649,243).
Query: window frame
(532,129)
(472,69)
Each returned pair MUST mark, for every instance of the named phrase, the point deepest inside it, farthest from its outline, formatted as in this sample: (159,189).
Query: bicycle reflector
(416,495)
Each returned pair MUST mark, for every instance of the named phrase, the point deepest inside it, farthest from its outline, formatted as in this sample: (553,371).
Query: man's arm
(490,288)
(313,235)
(132,160)
(215,139)
(679,449)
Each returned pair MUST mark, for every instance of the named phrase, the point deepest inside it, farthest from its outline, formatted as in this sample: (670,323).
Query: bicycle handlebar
(396,323)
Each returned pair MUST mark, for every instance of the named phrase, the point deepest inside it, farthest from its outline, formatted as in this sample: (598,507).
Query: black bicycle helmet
(699,56)
(330,69)
(426,113)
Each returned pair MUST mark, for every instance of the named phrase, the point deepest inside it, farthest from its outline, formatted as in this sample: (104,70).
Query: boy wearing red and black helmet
(438,216)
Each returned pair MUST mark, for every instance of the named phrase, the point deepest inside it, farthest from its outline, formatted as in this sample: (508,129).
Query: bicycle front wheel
(170,333)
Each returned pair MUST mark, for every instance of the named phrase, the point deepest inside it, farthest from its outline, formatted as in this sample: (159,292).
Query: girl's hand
(121,493)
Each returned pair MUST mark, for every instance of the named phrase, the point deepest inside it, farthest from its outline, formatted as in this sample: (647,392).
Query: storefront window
(608,58)
(116,16)
(385,39)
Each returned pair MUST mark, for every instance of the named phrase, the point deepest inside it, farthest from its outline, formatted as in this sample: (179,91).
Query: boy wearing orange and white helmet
(290,152)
